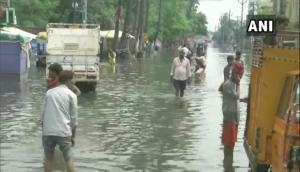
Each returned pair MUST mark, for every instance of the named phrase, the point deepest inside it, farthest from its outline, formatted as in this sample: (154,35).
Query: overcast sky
(213,9)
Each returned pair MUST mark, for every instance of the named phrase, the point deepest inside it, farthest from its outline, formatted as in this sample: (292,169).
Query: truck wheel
(262,168)
(92,87)
(38,64)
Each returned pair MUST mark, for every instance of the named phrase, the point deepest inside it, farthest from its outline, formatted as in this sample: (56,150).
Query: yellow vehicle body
(269,135)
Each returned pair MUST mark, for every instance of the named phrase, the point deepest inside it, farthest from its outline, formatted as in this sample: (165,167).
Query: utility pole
(8,3)
(74,5)
(158,22)
(84,20)
(242,2)
(117,25)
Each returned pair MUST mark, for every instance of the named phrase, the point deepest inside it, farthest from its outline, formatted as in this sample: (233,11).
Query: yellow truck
(272,132)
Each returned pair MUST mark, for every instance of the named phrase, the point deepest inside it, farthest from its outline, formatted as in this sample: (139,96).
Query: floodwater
(132,123)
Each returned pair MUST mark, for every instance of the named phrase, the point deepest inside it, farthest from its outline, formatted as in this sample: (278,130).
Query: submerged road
(132,123)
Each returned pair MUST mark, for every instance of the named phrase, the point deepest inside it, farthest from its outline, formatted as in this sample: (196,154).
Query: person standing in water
(52,80)
(228,67)
(231,114)
(59,120)
(180,73)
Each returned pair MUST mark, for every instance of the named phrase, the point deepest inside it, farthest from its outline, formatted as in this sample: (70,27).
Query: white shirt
(181,70)
(59,114)
(186,51)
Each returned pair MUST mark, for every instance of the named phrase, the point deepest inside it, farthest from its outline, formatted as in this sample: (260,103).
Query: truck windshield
(284,98)
(296,101)
(297,96)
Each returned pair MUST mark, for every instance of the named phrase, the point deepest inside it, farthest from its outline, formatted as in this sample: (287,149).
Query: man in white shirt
(59,121)
(186,51)
(180,73)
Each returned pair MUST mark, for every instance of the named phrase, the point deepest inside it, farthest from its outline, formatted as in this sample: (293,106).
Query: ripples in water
(132,123)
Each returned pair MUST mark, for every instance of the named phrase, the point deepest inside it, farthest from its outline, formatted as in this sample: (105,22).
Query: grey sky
(213,9)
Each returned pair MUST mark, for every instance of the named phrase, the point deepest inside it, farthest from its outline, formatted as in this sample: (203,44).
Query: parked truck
(76,48)
(272,132)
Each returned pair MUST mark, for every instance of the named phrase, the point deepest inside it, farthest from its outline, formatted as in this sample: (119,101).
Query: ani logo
(259,25)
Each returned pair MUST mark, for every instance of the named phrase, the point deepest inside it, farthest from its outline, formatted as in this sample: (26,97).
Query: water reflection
(132,123)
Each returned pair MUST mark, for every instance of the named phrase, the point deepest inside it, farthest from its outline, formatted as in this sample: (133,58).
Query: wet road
(132,123)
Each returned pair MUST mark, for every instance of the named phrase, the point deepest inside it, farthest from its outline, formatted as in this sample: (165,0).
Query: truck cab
(272,133)
(285,146)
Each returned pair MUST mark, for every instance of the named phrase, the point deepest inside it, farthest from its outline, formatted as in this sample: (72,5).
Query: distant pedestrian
(187,52)
(200,61)
(228,67)
(52,81)
(234,48)
(59,121)
(200,49)
(238,55)
(231,114)
(238,59)
(111,57)
(180,73)
(227,71)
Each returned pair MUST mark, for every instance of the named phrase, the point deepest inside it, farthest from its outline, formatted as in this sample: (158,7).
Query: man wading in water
(59,121)
(180,73)
(52,81)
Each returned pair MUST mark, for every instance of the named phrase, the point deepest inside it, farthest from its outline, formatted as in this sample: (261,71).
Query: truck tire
(92,87)
(38,64)
(262,168)
(86,87)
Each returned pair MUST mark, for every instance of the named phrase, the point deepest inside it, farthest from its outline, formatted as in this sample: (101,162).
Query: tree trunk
(158,22)
(141,25)
(135,18)
(147,16)
(117,23)
(126,23)
(137,23)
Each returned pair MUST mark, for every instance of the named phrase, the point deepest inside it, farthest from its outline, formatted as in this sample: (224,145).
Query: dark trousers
(179,87)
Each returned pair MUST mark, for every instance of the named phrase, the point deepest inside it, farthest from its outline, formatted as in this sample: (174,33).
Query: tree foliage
(229,30)
(178,17)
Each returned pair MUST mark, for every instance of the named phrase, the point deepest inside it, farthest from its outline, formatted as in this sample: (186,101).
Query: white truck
(76,48)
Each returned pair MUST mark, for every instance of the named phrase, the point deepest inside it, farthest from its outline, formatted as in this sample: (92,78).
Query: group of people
(230,90)
(59,116)
(181,69)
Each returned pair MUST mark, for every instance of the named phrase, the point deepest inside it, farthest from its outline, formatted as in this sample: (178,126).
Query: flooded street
(132,123)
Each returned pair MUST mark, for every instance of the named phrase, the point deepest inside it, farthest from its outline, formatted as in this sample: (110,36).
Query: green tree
(102,12)
(34,12)
(178,17)
(228,31)
(198,23)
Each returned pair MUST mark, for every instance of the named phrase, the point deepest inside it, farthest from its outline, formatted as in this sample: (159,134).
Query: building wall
(292,12)
(288,8)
